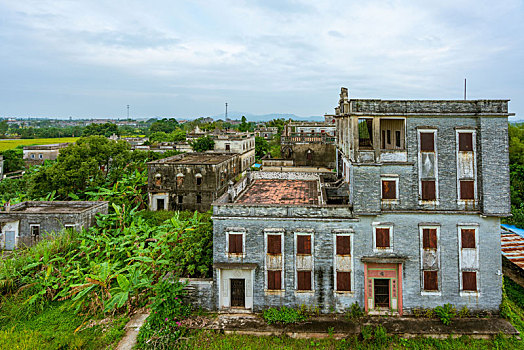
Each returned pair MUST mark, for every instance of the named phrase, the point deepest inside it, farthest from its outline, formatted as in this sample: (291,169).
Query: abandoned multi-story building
(309,144)
(267,132)
(37,154)
(26,223)
(426,184)
(242,143)
(190,181)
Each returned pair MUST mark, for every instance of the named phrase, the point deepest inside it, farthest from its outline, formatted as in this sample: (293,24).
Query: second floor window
(382,238)
(235,243)
(389,189)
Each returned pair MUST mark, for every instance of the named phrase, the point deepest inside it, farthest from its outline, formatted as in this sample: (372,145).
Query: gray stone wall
(406,242)
(199,292)
(322,155)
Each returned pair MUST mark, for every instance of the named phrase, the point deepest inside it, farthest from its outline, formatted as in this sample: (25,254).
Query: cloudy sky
(90,58)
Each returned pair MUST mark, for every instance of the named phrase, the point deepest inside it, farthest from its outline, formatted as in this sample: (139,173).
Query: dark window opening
(427,142)
(238,292)
(199,181)
(467,189)
(389,189)
(392,133)
(274,244)
(469,281)
(382,238)
(465,141)
(274,280)
(343,245)
(468,238)
(228,147)
(389,136)
(429,238)
(430,280)
(428,190)
(304,244)
(303,280)
(343,281)
(397,139)
(235,243)
(180,199)
(365,133)
(35,230)
(198,198)
(160,204)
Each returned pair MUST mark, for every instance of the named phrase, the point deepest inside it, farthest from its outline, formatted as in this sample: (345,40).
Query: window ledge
(274,291)
(236,255)
(382,250)
(344,292)
(389,201)
(428,293)
(464,293)
(426,202)
(305,292)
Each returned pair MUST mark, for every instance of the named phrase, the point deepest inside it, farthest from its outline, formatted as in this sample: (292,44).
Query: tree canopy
(203,144)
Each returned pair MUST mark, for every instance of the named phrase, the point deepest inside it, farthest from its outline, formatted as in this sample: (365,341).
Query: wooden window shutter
(304,280)
(235,243)
(427,142)
(274,244)
(430,280)
(467,189)
(389,189)
(468,238)
(469,280)
(428,190)
(343,245)
(343,281)
(274,281)
(429,238)
(465,141)
(382,237)
(303,244)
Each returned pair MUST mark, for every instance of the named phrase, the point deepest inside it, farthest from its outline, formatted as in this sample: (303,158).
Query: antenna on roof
(226,112)
(464,89)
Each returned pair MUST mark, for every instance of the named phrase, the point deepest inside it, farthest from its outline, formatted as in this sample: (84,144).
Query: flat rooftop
(276,191)
(47,147)
(53,207)
(196,158)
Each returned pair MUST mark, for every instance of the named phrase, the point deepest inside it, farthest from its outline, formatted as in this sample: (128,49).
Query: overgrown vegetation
(284,315)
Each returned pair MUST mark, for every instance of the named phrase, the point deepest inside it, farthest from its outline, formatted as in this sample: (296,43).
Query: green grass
(10,144)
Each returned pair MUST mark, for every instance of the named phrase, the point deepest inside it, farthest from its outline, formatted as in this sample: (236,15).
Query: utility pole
(226,111)
(127,111)
(464,89)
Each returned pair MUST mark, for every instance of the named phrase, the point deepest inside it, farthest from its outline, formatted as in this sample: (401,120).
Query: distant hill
(266,117)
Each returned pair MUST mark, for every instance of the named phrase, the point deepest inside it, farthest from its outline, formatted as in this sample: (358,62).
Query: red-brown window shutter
(468,237)
(303,244)
(428,190)
(465,141)
(467,189)
(469,280)
(427,142)
(343,245)
(274,244)
(235,243)
(429,238)
(343,281)
(382,237)
(304,280)
(389,189)
(430,280)
(274,281)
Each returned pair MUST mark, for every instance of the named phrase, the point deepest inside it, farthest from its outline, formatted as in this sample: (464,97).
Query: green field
(10,144)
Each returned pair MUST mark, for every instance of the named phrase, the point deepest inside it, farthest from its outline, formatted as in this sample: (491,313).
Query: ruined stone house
(190,181)
(26,223)
(34,155)
(426,184)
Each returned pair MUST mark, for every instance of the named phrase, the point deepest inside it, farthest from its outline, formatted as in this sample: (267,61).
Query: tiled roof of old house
(512,241)
(278,191)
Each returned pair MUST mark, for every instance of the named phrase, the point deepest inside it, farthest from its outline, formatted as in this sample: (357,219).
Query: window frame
(476,228)
(337,234)
(394,179)
(31,226)
(382,226)
(230,254)
(434,131)
(274,232)
(473,133)
(311,255)
(422,227)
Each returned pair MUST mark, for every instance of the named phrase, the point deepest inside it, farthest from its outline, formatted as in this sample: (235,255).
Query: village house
(267,132)
(35,155)
(26,223)
(190,181)
(426,184)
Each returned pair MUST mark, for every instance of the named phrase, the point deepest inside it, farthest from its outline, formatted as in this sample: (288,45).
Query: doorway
(10,240)
(160,204)
(238,289)
(381,292)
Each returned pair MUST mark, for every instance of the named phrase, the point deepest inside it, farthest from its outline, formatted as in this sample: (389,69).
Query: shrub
(283,315)
(445,313)
(354,311)
(464,312)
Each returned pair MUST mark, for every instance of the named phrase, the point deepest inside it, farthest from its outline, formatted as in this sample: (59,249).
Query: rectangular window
(35,230)
(343,281)
(465,141)
(428,190)
(468,238)
(467,189)
(274,280)
(389,136)
(274,244)
(389,189)
(198,198)
(228,147)
(429,238)
(427,142)
(180,199)
(235,243)
(397,139)
(199,181)
(343,245)
(160,204)
(469,281)
(382,238)
(304,244)
(303,280)
(431,280)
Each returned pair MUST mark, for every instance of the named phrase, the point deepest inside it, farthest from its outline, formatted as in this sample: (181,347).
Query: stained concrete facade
(190,181)
(39,153)
(26,223)
(427,183)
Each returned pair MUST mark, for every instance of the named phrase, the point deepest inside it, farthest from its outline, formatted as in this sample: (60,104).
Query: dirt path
(132,328)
